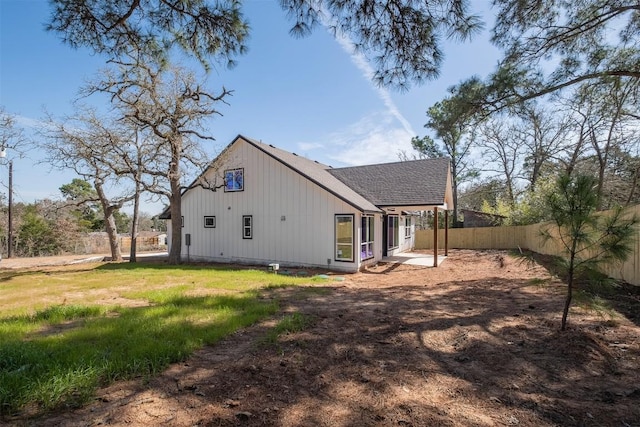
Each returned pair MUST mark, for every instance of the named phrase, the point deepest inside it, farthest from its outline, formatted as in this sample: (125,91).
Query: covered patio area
(414,258)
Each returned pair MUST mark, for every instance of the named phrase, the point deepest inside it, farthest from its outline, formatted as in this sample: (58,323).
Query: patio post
(435,237)
(446,233)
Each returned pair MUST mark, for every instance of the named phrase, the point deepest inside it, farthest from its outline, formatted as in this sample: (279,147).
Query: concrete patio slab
(413,258)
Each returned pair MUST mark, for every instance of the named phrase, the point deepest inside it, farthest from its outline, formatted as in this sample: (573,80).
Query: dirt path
(475,342)
(46,261)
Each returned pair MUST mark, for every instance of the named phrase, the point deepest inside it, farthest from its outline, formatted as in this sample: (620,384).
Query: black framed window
(247,226)
(366,238)
(393,240)
(344,237)
(209,222)
(234,180)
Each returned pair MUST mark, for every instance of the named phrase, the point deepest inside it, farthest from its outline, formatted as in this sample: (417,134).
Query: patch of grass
(61,313)
(65,368)
(289,324)
(91,284)
(56,352)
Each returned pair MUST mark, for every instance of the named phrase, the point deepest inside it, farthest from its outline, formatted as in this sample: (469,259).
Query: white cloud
(370,140)
(376,138)
(309,146)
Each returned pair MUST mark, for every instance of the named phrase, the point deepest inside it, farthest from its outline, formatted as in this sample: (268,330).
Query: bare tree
(11,135)
(12,139)
(543,135)
(615,103)
(608,124)
(83,144)
(501,149)
(172,107)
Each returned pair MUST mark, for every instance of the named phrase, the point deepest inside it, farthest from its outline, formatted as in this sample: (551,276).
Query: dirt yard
(475,342)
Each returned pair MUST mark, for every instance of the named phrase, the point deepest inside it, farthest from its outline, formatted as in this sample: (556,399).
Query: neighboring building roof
(408,183)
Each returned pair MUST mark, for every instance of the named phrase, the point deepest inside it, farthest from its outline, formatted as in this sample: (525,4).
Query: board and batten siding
(293,218)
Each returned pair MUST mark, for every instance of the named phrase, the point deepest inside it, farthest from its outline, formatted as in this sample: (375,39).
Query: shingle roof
(316,172)
(409,183)
(367,188)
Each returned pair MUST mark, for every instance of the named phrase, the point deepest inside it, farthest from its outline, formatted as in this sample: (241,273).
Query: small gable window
(234,180)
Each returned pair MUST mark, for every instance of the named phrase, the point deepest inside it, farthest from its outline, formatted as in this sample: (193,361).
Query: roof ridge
(394,163)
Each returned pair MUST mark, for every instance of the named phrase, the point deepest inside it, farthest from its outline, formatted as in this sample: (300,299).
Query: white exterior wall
(272,191)
(404,244)
(407,244)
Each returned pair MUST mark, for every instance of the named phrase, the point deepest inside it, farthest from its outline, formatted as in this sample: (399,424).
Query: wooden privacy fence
(524,237)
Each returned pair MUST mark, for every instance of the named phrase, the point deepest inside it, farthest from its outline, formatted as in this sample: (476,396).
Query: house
(258,204)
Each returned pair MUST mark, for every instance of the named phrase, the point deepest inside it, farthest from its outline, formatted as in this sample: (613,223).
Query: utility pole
(10,236)
(3,154)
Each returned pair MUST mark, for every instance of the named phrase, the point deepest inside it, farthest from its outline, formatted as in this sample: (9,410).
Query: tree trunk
(175,205)
(567,302)
(176,229)
(134,224)
(109,223)
(571,272)
(112,232)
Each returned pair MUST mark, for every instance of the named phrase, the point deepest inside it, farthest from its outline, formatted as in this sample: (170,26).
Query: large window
(407,227)
(344,237)
(393,240)
(366,238)
(247,227)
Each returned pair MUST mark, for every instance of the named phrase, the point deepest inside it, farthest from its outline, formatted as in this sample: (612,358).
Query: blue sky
(311,96)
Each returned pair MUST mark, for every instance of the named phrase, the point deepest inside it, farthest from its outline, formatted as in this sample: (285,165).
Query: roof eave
(417,207)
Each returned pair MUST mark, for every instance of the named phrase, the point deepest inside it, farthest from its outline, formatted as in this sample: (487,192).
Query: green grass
(289,324)
(56,352)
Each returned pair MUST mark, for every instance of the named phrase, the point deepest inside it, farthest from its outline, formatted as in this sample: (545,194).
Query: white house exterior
(257,204)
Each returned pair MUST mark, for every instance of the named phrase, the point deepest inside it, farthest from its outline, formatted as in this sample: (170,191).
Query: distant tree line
(53,227)
(507,162)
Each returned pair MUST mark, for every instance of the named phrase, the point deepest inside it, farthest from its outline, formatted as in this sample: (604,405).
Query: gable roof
(315,172)
(414,183)
(408,183)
